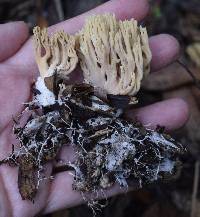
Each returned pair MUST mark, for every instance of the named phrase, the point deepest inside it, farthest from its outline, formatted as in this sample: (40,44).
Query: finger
(12,37)
(63,196)
(123,9)
(171,113)
(165,50)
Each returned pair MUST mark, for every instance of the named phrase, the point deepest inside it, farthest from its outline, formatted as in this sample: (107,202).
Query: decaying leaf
(27,179)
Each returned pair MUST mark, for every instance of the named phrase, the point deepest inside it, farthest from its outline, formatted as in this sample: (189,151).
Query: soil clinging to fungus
(109,148)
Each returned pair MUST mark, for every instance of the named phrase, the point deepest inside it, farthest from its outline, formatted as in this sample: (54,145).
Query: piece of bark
(27,179)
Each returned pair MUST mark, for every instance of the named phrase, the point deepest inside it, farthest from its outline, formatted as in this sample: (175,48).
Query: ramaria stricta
(114,57)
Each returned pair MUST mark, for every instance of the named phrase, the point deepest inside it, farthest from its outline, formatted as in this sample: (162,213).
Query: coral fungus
(114,55)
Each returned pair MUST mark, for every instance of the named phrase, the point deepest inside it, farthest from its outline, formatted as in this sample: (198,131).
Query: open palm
(18,71)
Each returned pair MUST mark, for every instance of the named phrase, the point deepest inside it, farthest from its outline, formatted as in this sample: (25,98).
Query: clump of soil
(110,149)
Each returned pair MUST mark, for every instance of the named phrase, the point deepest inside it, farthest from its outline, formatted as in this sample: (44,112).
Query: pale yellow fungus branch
(114,55)
(55,54)
(42,49)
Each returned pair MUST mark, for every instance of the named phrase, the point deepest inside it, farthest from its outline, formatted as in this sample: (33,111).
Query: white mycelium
(167,165)
(124,143)
(159,139)
(46,97)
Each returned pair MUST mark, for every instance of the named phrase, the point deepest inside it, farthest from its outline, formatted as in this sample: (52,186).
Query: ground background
(180,18)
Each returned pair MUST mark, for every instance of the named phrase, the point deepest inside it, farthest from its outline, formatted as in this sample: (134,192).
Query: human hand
(17,72)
